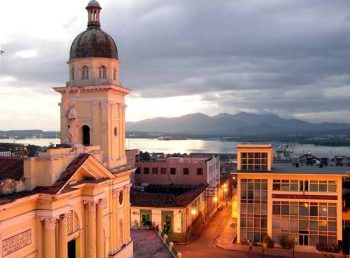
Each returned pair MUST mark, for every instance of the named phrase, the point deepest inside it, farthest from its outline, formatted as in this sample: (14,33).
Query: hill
(225,124)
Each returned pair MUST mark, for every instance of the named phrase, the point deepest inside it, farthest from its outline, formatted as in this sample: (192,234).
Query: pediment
(92,169)
(88,169)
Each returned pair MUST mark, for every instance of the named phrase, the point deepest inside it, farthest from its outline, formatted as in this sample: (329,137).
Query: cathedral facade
(74,200)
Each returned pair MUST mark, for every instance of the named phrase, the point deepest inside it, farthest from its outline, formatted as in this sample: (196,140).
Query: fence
(169,245)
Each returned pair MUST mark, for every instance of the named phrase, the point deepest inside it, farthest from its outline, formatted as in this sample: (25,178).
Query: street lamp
(225,190)
(193,211)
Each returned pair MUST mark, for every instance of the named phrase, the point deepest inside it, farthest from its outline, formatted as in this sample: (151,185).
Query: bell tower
(93,105)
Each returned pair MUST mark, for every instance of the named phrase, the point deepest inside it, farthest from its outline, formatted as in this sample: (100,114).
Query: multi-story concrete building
(204,169)
(301,202)
(179,170)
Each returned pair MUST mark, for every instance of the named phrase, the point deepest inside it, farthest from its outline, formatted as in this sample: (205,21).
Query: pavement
(216,241)
(228,233)
(204,245)
(147,244)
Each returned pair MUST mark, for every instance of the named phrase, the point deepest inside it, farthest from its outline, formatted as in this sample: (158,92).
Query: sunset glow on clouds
(184,57)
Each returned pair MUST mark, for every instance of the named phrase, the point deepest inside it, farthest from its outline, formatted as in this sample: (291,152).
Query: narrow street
(204,245)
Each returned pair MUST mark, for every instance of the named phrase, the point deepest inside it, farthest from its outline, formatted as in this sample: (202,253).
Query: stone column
(49,235)
(62,237)
(116,219)
(127,212)
(94,133)
(112,222)
(104,136)
(122,154)
(99,229)
(91,244)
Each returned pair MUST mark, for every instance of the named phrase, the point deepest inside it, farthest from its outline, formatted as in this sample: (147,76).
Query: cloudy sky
(291,58)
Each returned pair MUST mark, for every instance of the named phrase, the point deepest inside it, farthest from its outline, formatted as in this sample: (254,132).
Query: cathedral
(74,199)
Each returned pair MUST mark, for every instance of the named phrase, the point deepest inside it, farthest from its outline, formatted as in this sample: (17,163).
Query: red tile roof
(54,189)
(161,198)
(11,168)
(66,175)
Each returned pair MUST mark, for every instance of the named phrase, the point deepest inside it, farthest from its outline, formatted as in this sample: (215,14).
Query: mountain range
(225,124)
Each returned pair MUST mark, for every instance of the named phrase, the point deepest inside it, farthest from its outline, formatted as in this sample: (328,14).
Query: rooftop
(254,145)
(166,195)
(11,168)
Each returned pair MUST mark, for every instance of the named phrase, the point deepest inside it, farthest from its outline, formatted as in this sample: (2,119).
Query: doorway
(167,221)
(146,218)
(86,135)
(71,249)
(303,239)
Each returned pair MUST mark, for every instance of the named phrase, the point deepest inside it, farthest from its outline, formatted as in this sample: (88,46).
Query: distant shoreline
(324,143)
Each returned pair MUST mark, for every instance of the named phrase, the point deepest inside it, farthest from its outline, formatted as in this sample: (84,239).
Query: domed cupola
(93,55)
(93,42)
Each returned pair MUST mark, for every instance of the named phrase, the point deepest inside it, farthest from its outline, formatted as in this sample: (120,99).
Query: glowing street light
(215,198)
(193,211)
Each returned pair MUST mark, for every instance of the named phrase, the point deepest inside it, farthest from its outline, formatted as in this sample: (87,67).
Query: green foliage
(284,242)
(144,156)
(268,241)
(32,150)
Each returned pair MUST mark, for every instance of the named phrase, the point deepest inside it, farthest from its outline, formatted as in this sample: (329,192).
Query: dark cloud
(281,56)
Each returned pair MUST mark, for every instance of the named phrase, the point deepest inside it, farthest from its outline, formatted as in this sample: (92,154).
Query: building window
(163,171)
(254,209)
(199,171)
(304,185)
(186,171)
(86,135)
(172,171)
(254,161)
(295,220)
(73,74)
(115,131)
(121,197)
(155,171)
(114,73)
(138,171)
(146,171)
(102,72)
(85,73)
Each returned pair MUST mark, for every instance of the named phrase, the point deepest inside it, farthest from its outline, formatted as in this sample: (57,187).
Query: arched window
(102,72)
(73,74)
(86,135)
(85,73)
(114,73)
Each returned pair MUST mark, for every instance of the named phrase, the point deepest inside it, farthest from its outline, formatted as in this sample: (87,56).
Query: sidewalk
(227,235)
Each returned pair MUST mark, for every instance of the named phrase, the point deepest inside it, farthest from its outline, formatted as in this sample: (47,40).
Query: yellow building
(300,202)
(177,210)
(74,199)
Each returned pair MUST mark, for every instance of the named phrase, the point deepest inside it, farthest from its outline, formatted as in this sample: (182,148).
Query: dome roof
(93,42)
(93,3)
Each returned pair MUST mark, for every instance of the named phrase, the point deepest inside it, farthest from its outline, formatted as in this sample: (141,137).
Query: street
(204,245)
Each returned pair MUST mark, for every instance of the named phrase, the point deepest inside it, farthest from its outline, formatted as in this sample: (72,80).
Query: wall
(270,199)
(179,164)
